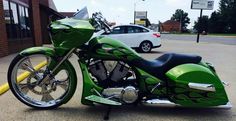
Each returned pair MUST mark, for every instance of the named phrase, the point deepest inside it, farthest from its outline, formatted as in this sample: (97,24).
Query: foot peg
(102,100)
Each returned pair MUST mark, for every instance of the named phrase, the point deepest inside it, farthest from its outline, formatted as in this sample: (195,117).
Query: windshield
(82,14)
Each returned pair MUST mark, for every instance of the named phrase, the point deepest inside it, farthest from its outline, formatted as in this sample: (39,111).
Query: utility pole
(180,24)
(202,5)
(134,11)
(200,23)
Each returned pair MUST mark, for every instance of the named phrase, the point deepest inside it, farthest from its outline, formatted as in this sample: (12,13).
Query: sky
(122,11)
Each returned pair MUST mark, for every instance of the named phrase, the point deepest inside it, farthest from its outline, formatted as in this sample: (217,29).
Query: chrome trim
(225,83)
(158,102)
(153,89)
(226,106)
(204,87)
(97,92)
(167,103)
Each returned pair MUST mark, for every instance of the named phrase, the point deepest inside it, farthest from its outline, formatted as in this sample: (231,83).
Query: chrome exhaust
(167,103)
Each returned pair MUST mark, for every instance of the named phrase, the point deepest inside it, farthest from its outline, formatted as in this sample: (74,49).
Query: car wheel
(146,47)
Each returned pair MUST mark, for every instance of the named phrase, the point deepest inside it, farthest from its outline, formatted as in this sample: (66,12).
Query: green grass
(212,34)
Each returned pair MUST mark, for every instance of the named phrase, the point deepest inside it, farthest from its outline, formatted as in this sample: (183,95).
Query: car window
(118,30)
(134,29)
(130,29)
(144,30)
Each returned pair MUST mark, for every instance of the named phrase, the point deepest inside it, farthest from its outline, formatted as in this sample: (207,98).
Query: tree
(202,24)
(216,23)
(182,17)
(227,12)
(223,20)
(148,23)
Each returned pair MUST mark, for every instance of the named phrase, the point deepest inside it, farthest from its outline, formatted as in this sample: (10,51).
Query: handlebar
(101,21)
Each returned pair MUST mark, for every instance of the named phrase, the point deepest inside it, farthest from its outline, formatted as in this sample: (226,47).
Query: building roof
(52,11)
(171,22)
(67,14)
(48,3)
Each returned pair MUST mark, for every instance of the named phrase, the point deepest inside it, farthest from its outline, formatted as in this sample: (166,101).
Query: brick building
(170,26)
(67,14)
(23,23)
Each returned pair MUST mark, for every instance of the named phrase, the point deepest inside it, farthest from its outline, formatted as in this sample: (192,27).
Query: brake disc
(46,87)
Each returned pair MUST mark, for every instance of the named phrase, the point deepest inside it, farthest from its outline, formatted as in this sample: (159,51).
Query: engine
(111,73)
(117,79)
(128,94)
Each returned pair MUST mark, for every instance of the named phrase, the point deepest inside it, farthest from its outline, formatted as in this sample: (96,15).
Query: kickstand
(107,115)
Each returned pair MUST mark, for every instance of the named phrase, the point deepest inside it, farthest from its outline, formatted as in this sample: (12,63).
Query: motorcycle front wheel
(25,75)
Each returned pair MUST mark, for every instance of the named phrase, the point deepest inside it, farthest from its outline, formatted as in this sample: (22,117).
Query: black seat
(161,65)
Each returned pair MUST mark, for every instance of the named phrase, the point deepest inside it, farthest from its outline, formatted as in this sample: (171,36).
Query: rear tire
(145,47)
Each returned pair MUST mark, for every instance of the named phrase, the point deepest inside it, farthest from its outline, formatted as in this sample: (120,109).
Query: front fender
(38,50)
(53,52)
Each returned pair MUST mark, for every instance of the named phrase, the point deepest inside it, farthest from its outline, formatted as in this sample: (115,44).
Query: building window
(6,11)
(7,16)
(22,17)
(27,23)
(17,20)
(15,31)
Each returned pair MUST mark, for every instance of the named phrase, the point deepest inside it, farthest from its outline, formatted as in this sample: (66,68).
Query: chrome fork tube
(45,79)
(64,58)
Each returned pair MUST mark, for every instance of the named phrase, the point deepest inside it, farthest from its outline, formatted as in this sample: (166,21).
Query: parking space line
(5,87)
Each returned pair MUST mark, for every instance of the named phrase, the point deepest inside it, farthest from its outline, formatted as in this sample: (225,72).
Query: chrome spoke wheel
(27,81)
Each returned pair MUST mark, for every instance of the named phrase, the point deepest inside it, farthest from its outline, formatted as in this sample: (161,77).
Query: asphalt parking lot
(222,56)
(229,40)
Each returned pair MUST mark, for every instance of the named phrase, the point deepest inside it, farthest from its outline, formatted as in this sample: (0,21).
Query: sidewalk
(4,64)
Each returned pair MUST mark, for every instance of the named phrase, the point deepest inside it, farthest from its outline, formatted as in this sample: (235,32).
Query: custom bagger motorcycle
(113,74)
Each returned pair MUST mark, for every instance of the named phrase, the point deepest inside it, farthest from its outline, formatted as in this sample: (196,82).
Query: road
(224,61)
(229,40)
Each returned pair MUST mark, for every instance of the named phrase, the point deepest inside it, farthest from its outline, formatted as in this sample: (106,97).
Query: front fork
(49,74)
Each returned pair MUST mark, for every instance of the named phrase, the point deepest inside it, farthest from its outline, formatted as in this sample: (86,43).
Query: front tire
(46,95)
(145,47)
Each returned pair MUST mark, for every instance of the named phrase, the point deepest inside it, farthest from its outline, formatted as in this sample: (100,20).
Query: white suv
(137,37)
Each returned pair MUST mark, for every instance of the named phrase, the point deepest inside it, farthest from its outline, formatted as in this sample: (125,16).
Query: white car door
(119,33)
(134,36)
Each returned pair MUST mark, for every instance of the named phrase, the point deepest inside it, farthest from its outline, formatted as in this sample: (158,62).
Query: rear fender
(195,85)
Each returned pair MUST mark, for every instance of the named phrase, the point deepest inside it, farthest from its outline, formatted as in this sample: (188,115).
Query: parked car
(137,37)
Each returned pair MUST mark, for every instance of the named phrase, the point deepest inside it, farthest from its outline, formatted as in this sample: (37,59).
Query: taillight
(157,35)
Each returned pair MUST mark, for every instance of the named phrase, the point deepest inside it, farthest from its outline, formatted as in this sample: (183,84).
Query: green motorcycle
(113,74)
